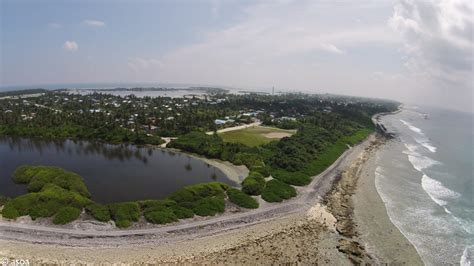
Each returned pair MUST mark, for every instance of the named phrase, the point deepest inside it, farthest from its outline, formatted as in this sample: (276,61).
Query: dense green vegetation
(293,160)
(64,202)
(277,191)
(241,199)
(45,203)
(115,119)
(66,215)
(99,212)
(38,176)
(125,213)
(164,211)
(253,184)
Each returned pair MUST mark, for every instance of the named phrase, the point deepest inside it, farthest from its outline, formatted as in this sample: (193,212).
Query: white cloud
(331,48)
(54,25)
(70,46)
(93,23)
(437,39)
(322,46)
(272,36)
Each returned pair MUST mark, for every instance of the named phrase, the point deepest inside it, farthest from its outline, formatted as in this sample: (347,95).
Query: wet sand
(380,237)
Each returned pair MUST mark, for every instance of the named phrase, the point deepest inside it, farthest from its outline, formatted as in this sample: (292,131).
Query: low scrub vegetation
(277,191)
(124,213)
(253,184)
(60,197)
(241,199)
(66,215)
(44,203)
(99,212)
(36,177)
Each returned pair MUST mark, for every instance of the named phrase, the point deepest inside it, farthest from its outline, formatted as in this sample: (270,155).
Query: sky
(411,51)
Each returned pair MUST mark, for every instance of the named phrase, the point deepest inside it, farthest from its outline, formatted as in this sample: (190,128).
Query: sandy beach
(380,237)
(347,224)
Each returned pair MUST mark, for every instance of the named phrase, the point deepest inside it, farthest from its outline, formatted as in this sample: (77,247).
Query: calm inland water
(113,173)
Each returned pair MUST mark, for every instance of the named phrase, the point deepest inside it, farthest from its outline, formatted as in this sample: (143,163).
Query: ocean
(425,178)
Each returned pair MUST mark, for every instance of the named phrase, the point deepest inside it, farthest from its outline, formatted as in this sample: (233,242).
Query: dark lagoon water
(113,173)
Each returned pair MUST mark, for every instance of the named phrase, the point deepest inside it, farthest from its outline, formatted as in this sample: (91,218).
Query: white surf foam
(421,162)
(426,143)
(437,191)
(412,127)
(412,148)
(465,258)
(430,147)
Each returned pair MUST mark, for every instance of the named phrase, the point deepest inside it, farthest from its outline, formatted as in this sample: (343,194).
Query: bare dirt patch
(277,135)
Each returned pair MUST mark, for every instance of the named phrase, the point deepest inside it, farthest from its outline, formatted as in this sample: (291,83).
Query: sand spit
(323,225)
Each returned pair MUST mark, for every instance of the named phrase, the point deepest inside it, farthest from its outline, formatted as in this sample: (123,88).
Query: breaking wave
(412,127)
(437,191)
(421,162)
(465,258)
(426,143)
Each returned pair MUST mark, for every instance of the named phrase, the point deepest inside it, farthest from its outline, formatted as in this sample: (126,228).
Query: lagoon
(112,173)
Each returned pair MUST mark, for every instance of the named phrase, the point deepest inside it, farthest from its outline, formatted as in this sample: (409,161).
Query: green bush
(292,178)
(209,206)
(46,202)
(72,198)
(147,205)
(277,191)
(45,209)
(164,211)
(253,184)
(126,211)
(23,204)
(99,212)
(66,215)
(161,216)
(190,194)
(38,176)
(123,223)
(10,212)
(241,199)
(25,173)
(182,213)
(263,170)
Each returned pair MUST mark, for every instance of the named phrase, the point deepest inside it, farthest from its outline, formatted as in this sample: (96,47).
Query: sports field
(255,136)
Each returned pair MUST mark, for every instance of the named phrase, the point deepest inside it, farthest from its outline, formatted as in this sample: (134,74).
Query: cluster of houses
(243,114)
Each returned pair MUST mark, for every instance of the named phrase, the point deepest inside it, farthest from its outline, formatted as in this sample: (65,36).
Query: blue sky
(406,50)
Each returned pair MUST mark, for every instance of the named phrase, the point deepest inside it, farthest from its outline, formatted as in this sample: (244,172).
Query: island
(293,145)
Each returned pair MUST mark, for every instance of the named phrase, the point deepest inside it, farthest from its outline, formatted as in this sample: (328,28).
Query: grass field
(255,136)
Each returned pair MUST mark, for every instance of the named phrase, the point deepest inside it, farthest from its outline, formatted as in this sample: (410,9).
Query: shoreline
(381,238)
(236,173)
(290,237)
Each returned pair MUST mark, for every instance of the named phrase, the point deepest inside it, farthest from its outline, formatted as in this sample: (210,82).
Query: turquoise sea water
(425,178)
